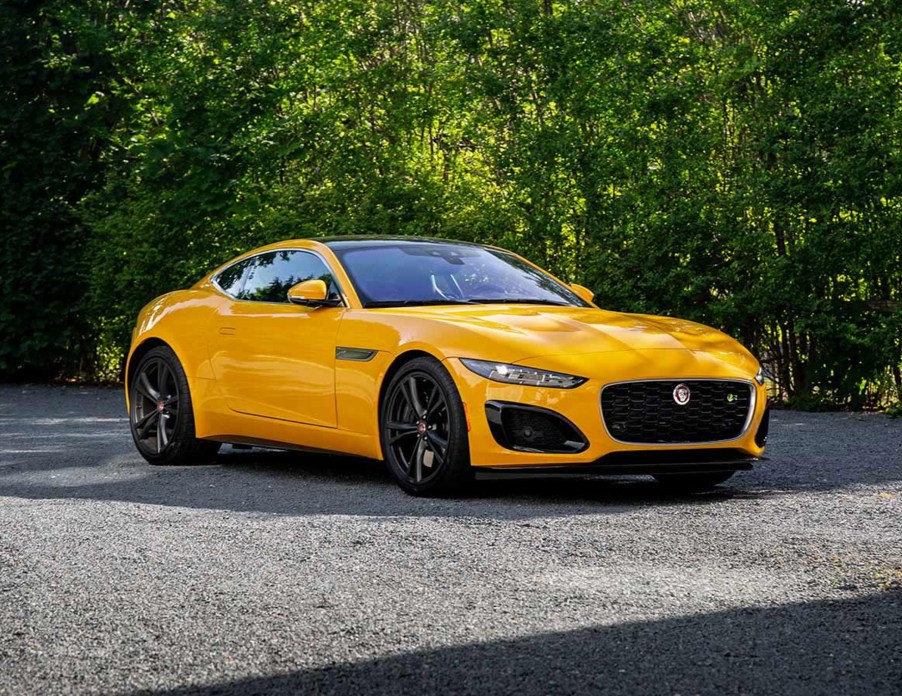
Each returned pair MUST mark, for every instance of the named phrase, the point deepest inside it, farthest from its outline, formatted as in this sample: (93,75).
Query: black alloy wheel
(161,415)
(156,405)
(424,436)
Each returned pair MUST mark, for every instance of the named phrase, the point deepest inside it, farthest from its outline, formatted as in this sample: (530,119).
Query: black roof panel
(353,240)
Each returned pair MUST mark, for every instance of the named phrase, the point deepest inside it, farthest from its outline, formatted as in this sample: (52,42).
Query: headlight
(759,376)
(517,374)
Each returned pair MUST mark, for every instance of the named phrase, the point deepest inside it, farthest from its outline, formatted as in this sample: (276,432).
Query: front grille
(646,412)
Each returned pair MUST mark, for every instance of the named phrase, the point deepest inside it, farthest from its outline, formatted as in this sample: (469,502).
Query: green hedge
(732,162)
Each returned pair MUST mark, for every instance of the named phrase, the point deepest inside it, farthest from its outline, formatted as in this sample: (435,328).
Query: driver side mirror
(311,293)
(582,292)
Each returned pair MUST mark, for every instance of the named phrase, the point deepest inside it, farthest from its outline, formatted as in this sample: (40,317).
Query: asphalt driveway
(272,572)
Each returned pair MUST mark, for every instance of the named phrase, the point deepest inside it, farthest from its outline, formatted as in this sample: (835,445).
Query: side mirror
(582,291)
(311,293)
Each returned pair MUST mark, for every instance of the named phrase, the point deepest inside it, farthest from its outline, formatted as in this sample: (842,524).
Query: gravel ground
(271,572)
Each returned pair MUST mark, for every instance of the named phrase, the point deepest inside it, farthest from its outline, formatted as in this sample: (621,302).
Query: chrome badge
(681,394)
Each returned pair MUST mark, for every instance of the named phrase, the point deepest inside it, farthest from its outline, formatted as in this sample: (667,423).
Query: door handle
(227,330)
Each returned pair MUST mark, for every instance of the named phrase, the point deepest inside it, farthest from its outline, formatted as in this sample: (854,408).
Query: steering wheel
(441,293)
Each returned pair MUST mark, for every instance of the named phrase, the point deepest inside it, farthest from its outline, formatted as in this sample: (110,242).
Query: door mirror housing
(582,291)
(311,293)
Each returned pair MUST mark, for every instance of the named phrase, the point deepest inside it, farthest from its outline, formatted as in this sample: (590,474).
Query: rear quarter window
(231,280)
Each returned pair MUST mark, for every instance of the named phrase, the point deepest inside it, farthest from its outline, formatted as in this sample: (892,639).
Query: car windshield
(389,274)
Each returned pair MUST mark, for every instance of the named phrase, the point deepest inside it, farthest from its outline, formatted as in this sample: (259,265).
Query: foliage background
(733,162)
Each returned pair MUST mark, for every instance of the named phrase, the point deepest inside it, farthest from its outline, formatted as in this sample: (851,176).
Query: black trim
(354,354)
(763,428)
(498,412)
(353,241)
(678,456)
(640,462)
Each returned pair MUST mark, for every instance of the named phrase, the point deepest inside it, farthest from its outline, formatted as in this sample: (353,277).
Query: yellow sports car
(444,359)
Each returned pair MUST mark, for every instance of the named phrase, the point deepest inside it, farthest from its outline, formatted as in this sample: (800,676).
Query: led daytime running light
(519,374)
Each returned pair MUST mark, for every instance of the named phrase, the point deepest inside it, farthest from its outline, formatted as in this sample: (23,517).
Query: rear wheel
(424,430)
(693,482)
(161,414)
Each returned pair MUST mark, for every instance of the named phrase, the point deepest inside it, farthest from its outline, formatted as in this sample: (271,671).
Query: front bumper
(582,407)
(625,464)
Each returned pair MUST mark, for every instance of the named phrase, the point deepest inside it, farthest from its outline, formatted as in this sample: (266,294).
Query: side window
(274,272)
(230,279)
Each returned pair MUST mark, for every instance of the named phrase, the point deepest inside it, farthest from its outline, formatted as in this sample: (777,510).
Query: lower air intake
(533,429)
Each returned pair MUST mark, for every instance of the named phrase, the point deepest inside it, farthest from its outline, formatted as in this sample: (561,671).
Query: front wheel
(424,430)
(161,413)
(693,482)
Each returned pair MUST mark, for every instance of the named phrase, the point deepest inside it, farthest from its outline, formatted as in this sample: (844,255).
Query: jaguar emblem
(681,394)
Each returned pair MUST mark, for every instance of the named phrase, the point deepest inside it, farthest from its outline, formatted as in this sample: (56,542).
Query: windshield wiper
(414,303)
(520,300)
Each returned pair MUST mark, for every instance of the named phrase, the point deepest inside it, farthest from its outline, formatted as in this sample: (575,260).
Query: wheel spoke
(414,397)
(437,440)
(164,376)
(146,388)
(162,431)
(438,452)
(431,401)
(143,425)
(159,436)
(400,425)
(418,455)
(402,390)
(433,415)
(411,460)
(401,432)
(437,408)
(171,401)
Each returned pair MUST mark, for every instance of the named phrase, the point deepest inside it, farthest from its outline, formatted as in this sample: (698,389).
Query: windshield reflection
(405,273)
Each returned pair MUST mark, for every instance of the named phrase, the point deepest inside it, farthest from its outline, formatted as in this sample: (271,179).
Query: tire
(693,482)
(161,414)
(426,456)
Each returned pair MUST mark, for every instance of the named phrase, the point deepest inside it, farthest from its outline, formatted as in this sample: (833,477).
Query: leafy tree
(732,162)
(53,79)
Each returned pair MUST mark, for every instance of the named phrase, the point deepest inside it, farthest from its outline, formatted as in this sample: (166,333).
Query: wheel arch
(400,361)
(142,349)
(134,360)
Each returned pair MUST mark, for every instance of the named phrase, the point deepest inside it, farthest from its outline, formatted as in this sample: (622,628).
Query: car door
(272,358)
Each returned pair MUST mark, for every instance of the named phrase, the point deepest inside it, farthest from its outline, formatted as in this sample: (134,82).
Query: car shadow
(293,483)
(76,444)
(842,646)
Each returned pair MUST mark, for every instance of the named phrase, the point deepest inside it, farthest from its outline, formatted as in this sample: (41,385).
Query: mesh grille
(645,412)
(537,430)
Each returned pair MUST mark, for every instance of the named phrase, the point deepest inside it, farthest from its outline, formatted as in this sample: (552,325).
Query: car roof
(353,241)
(339,243)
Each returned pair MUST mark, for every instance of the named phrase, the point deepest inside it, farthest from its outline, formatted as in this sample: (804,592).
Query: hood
(573,338)
(577,330)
